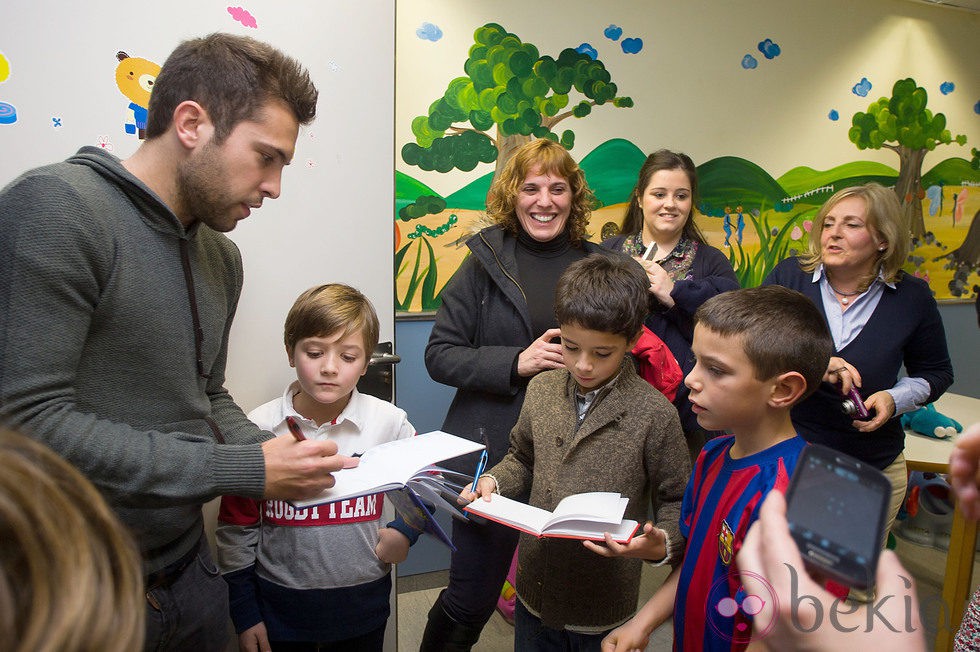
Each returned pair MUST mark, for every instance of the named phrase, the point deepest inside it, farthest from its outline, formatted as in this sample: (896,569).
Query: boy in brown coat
(593,426)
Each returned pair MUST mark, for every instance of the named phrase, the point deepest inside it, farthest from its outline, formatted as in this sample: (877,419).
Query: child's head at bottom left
(330,333)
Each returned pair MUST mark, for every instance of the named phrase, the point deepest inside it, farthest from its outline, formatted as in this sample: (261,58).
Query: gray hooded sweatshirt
(114,324)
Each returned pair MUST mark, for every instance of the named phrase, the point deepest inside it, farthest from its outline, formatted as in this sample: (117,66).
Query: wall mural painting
(511,93)
(135,78)
(8,112)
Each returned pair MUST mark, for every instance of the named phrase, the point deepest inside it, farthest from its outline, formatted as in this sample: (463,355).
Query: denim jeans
(192,612)
(531,636)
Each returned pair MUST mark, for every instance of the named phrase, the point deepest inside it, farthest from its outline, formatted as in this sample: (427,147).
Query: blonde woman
(70,576)
(880,318)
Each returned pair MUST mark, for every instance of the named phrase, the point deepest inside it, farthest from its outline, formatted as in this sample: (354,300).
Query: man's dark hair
(605,293)
(232,77)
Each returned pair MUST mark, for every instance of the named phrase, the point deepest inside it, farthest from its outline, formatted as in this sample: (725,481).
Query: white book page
(592,530)
(392,465)
(595,506)
(504,509)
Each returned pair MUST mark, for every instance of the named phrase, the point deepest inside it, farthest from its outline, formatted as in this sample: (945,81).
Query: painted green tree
(510,94)
(903,124)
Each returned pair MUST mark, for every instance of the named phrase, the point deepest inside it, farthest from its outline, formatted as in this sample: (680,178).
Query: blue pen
(480,466)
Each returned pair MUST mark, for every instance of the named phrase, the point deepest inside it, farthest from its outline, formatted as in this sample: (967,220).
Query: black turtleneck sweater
(539,265)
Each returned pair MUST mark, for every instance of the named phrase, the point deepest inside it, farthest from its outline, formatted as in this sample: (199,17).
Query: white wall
(333,220)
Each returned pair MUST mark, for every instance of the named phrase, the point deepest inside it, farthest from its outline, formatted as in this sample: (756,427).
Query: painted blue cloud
(833,115)
(429,32)
(632,45)
(588,50)
(749,62)
(946,88)
(769,49)
(862,88)
(613,32)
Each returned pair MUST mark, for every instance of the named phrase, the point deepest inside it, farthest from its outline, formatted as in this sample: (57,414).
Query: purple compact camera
(853,405)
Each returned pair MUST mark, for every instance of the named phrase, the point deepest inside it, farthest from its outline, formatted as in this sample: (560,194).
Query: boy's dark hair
(603,293)
(781,330)
(327,309)
(232,77)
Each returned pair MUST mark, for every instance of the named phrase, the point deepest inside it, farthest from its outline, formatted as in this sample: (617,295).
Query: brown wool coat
(629,442)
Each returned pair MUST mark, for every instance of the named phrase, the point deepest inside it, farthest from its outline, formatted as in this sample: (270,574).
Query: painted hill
(951,172)
(407,190)
(802,179)
(611,170)
(473,195)
(728,179)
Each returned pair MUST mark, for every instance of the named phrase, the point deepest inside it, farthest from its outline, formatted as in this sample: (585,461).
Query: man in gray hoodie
(117,293)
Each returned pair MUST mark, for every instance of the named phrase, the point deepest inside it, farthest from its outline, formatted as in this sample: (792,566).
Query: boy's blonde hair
(780,331)
(327,309)
(70,575)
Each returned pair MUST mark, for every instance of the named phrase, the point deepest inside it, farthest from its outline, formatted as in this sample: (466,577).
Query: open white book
(580,516)
(397,464)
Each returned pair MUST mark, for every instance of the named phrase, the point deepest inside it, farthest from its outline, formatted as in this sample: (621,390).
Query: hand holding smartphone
(836,508)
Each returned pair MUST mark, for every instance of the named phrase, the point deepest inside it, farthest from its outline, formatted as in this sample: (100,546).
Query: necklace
(843,295)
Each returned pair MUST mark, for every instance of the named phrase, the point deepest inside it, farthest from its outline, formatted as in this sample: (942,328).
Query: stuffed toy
(927,421)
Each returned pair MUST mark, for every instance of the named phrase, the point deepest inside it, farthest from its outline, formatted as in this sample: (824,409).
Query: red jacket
(656,364)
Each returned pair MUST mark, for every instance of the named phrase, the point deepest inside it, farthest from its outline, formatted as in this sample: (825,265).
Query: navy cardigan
(905,328)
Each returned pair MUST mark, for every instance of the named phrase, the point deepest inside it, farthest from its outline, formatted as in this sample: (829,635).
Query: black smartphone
(836,508)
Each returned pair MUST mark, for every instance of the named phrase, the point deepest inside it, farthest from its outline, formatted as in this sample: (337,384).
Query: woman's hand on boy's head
(541,355)
(651,545)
